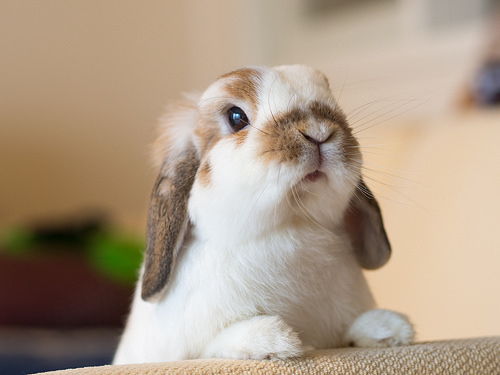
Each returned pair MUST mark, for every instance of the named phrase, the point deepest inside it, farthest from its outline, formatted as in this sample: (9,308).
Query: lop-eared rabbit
(259,227)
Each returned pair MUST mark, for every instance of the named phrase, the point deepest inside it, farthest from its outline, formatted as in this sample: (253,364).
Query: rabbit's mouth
(314,176)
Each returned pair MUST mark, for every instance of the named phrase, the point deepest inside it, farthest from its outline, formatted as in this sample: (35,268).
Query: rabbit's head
(261,149)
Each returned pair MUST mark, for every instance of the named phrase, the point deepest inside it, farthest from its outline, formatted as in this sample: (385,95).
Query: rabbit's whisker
(275,208)
(394,189)
(303,209)
(362,127)
(262,131)
(385,172)
(254,204)
(360,109)
(377,111)
(269,101)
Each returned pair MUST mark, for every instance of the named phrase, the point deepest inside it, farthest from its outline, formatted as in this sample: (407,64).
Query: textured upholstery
(469,356)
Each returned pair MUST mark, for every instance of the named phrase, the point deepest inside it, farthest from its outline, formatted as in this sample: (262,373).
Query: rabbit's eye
(237,118)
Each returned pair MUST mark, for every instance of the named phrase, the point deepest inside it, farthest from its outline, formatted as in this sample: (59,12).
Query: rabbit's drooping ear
(168,223)
(366,229)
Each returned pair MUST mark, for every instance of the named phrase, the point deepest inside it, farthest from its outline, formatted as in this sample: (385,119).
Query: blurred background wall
(83,83)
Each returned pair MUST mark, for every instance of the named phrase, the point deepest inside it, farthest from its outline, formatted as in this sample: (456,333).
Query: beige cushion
(470,356)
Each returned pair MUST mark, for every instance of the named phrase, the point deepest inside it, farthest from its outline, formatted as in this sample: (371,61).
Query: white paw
(262,337)
(380,328)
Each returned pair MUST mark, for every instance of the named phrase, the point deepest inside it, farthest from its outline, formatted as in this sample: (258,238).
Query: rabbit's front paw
(261,337)
(380,328)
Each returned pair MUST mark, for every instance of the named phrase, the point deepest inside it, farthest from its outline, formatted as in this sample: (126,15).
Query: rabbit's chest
(275,273)
(314,286)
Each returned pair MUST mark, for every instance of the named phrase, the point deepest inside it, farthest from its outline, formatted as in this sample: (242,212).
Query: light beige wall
(82,85)
(437,183)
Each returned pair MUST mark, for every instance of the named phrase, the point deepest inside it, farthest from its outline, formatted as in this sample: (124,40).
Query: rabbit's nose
(317,139)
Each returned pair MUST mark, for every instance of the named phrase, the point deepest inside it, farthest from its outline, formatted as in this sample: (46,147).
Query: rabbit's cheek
(204,174)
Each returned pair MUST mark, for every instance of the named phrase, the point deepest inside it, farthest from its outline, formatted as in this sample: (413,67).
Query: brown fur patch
(240,136)
(365,226)
(167,218)
(290,118)
(244,85)
(208,135)
(204,173)
(350,147)
(323,111)
(282,140)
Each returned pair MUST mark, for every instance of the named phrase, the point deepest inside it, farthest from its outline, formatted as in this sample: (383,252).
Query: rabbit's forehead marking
(301,82)
(243,84)
(236,88)
(299,74)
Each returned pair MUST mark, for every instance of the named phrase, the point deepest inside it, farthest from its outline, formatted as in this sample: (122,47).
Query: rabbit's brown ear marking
(366,229)
(168,223)
(208,135)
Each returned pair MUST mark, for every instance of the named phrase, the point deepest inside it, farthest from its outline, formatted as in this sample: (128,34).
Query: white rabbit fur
(262,269)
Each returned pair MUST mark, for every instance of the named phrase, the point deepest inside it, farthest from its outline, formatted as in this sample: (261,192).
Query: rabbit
(259,227)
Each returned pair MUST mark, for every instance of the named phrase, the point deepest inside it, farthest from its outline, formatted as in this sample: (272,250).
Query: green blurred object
(17,241)
(115,255)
